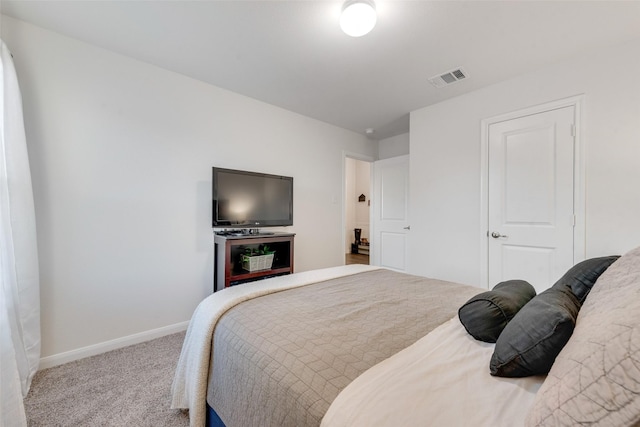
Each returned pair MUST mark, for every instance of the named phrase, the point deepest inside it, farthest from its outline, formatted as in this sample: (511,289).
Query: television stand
(228,250)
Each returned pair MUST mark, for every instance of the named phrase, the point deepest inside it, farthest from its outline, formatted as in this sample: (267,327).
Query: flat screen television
(246,199)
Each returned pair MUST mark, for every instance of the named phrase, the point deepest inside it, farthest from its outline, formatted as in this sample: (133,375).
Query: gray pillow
(485,315)
(530,343)
(581,277)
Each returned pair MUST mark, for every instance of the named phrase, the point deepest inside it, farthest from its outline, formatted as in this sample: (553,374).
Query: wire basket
(257,262)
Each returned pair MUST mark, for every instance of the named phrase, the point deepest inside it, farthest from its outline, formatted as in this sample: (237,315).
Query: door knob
(496,235)
(408,227)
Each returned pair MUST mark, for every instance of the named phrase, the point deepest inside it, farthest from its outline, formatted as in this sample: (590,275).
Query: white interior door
(390,219)
(531,202)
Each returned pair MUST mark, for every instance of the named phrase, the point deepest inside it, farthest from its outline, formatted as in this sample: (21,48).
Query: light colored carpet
(126,387)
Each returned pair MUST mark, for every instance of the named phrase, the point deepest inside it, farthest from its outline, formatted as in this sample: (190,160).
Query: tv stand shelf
(228,250)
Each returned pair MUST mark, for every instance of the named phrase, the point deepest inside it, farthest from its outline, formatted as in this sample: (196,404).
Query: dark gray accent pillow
(581,277)
(486,315)
(530,343)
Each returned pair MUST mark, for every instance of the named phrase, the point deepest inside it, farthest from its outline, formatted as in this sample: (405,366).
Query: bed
(363,346)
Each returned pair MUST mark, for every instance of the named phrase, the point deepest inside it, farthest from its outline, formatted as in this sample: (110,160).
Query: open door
(390,213)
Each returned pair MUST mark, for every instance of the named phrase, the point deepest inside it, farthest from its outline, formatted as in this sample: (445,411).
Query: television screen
(250,199)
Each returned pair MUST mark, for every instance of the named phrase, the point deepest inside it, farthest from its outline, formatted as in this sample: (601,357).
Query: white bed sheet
(441,380)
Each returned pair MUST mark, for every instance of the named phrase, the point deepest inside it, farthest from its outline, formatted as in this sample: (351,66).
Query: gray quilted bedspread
(281,359)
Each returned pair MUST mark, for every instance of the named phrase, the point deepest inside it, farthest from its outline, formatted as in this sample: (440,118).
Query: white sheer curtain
(19,290)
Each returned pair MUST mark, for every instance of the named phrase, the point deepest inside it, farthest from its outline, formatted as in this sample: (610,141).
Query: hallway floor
(356,259)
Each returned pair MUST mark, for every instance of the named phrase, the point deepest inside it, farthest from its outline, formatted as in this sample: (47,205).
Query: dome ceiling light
(358,17)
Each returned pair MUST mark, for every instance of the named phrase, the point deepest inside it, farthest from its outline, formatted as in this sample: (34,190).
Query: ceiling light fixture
(358,17)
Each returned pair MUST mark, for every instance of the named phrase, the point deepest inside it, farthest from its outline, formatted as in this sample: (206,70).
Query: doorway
(357,206)
(532,194)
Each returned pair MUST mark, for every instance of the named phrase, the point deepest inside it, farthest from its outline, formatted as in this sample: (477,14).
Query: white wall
(362,209)
(394,146)
(349,206)
(121,155)
(445,160)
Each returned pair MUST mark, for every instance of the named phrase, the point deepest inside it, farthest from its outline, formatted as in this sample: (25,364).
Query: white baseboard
(92,350)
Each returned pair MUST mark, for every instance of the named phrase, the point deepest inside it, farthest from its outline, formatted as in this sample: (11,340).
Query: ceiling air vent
(448,78)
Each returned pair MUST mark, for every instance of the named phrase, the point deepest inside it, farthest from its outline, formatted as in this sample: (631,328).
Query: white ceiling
(293,54)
